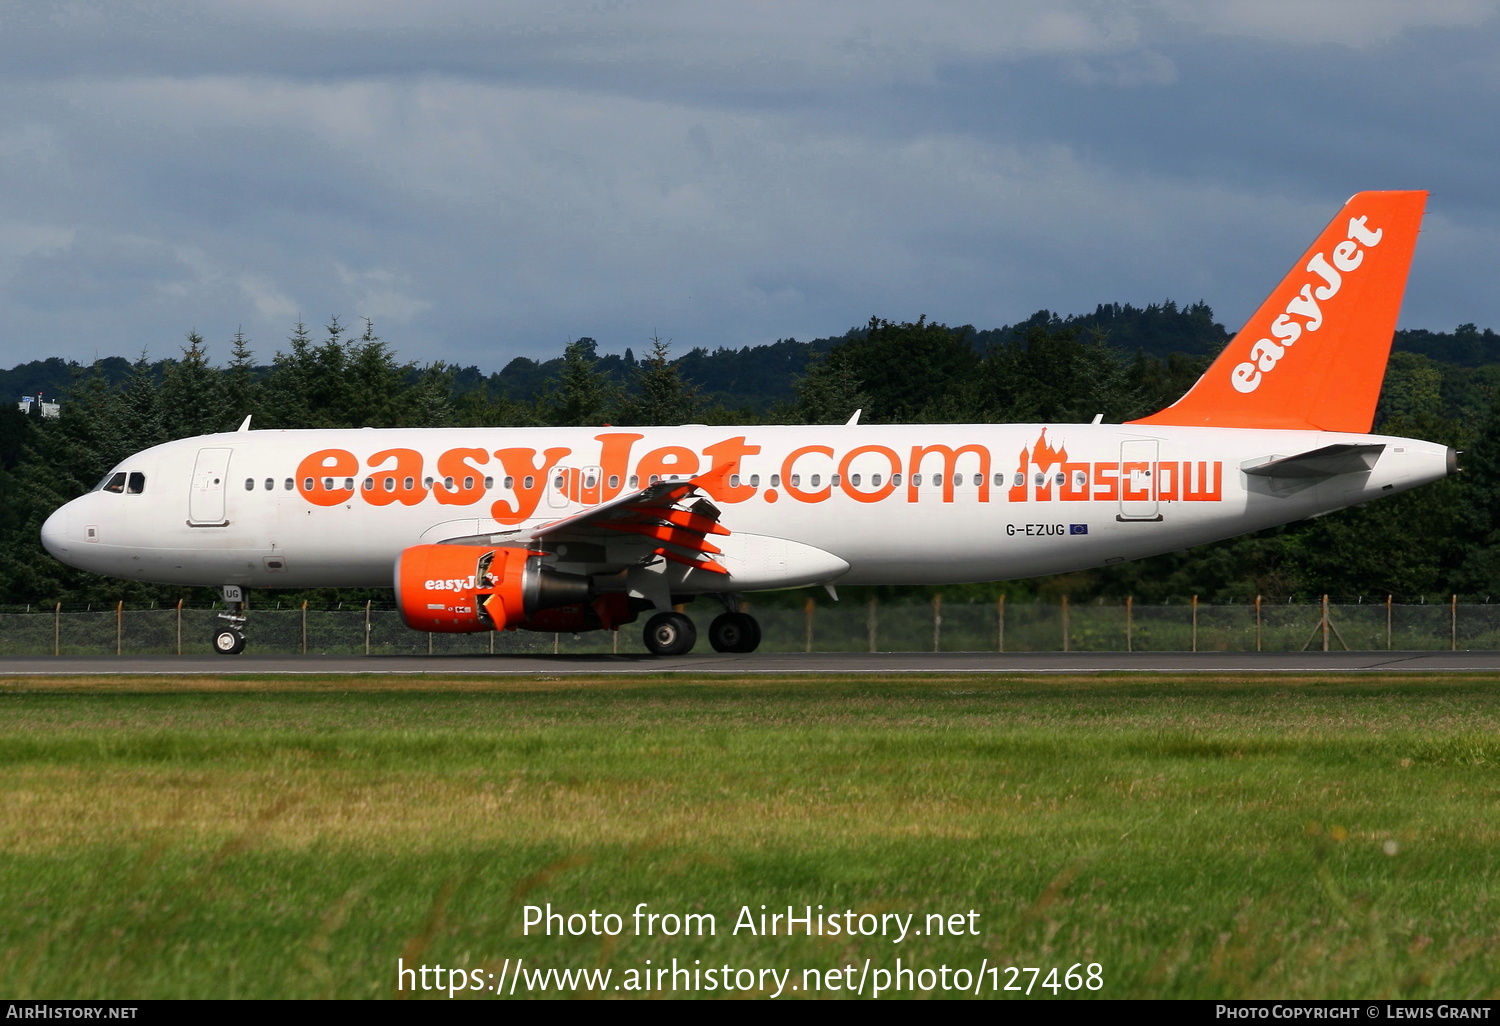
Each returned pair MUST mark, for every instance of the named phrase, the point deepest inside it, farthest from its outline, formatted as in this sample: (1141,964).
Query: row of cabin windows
(137,482)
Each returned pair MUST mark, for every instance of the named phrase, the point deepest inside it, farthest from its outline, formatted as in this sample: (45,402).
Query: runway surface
(770,663)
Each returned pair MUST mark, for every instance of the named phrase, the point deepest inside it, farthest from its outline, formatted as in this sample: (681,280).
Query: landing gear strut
(230,640)
(670,634)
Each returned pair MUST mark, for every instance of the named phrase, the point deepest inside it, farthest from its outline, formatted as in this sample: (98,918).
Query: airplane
(573,529)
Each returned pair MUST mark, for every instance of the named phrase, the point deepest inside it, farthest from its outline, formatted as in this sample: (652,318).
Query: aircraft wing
(662,519)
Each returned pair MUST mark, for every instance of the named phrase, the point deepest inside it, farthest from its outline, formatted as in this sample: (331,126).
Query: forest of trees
(1120,361)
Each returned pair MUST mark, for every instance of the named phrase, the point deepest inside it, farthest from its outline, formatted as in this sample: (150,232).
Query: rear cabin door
(1138,487)
(206,500)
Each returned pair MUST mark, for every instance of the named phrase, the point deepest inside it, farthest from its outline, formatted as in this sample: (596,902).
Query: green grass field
(1245,837)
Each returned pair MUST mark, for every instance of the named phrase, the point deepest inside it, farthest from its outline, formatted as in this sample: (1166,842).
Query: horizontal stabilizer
(1329,461)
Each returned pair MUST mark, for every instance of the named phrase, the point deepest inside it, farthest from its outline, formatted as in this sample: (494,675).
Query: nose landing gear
(230,640)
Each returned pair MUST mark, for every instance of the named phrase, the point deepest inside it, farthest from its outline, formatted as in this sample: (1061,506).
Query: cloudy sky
(491,179)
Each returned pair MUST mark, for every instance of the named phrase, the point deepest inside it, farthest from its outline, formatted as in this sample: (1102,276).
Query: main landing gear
(230,639)
(673,634)
(734,632)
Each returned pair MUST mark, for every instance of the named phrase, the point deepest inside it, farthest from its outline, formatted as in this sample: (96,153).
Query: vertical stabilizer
(1313,356)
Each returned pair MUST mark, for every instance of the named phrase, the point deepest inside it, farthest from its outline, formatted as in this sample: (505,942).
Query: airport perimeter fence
(904,626)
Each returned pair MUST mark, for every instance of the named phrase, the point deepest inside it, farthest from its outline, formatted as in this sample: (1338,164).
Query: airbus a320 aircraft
(574,529)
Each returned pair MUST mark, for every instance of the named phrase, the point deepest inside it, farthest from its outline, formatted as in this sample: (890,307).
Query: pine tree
(242,392)
(586,397)
(661,396)
(193,398)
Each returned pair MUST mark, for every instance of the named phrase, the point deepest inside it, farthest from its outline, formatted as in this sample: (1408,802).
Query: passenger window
(307,484)
(635,481)
(734,480)
(369,484)
(896,480)
(916,480)
(468,483)
(448,483)
(853,479)
(408,484)
(937,479)
(249,484)
(270,484)
(389,484)
(614,481)
(290,484)
(137,483)
(510,482)
(116,483)
(530,482)
(754,480)
(489,482)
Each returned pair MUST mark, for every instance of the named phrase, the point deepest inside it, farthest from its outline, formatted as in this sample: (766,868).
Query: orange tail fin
(1313,356)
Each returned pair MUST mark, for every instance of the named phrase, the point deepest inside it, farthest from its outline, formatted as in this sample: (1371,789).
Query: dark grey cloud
(490,179)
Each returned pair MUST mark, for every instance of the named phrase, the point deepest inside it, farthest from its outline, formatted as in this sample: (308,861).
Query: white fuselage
(904,504)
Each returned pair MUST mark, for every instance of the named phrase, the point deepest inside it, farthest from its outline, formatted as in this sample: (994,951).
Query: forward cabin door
(1138,485)
(210,477)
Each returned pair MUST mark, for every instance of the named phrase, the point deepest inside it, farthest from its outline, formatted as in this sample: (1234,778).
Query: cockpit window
(113,483)
(137,483)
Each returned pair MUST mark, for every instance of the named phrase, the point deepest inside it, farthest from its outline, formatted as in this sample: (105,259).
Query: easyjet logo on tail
(1312,355)
(1303,312)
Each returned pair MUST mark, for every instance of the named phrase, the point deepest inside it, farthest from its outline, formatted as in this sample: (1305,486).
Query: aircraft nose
(55,533)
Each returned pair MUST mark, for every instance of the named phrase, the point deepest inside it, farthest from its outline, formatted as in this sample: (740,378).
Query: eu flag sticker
(1078,528)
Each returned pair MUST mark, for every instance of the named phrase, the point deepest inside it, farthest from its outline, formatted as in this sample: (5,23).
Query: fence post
(367,626)
(1257,623)
(1129,623)
(304,626)
(937,621)
(807,624)
(1000,626)
(1065,622)
(1387,623)
(1195,623)
(1324,625)
(870,622)
(57,629)
(1453,624)
(179,626)
(119,624)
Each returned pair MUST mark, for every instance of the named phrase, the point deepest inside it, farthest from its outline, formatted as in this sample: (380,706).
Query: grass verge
(1241,837)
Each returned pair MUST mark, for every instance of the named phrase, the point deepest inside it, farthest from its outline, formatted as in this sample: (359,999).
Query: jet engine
(468,588)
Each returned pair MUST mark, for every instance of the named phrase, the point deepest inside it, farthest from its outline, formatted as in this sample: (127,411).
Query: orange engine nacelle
(467,588)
